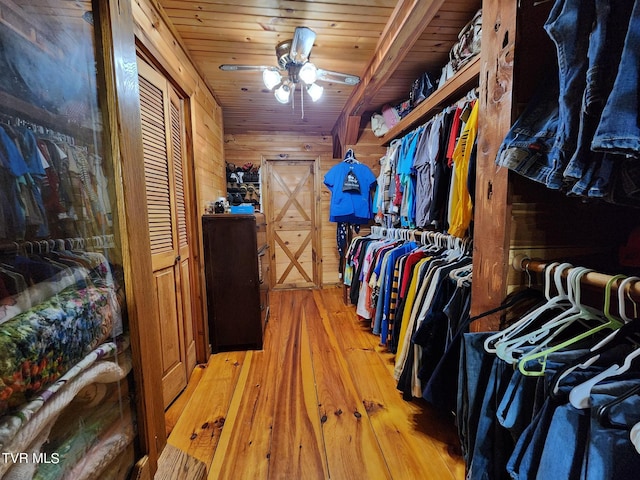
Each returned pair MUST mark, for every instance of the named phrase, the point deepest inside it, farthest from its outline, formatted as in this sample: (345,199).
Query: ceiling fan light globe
(271,78)
(315,91)
(308,73)
(283,93)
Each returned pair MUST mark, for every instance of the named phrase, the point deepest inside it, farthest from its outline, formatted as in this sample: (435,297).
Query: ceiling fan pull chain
(302,103)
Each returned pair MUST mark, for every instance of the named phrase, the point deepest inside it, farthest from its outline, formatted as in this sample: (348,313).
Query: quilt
(40,345)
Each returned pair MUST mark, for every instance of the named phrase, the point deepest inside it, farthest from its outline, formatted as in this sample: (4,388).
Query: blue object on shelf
(242,208)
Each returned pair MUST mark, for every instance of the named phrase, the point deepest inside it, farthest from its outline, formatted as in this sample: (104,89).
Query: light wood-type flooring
(318,402)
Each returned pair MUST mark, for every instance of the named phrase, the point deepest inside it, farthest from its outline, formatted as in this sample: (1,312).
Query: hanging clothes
(51,187)
(568,408)
(351,184)
(416,294)
(414,187)
(579,133)
(461,204)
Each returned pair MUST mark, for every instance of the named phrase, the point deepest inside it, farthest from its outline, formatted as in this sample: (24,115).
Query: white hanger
(492,341)
(461,275)
(542,335)
(585,313)
(580,395)
(604,341)
(622,306)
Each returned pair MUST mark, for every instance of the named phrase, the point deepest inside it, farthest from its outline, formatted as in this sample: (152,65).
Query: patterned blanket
(37,347)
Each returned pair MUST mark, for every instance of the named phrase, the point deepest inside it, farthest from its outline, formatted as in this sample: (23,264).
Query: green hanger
(612,323)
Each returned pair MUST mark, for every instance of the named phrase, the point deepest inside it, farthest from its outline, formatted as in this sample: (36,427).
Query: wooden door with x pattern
(292,224)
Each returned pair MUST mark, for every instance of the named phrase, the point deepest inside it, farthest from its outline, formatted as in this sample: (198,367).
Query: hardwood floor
(318,402)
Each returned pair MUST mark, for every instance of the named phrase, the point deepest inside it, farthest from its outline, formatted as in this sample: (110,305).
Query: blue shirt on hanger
(350,200)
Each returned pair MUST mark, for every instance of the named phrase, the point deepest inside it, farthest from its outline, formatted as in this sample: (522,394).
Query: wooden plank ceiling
(351,36)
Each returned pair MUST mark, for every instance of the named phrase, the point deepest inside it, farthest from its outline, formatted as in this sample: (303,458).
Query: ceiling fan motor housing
(282,53)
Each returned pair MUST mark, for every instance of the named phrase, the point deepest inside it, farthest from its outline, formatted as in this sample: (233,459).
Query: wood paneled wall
(157,37)
(252,147)
(158,43)
(211,148)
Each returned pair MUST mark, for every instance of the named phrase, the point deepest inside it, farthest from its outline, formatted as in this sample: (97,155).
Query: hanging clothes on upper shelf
(52,186)
(580,134)
(427,177)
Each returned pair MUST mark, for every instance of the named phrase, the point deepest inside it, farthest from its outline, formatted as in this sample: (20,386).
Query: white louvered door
(163,135)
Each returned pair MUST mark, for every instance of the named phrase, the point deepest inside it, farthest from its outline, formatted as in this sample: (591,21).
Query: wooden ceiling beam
(404,28)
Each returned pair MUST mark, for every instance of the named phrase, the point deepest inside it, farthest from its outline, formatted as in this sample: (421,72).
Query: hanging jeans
(575,134)
(569,26)
(486,445)
(525,460)
(619,130)
(610,453)
(530,147)
(591,170)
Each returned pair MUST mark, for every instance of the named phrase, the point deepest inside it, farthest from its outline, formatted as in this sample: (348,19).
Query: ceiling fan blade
(337,77)
(229,67)
(301,45)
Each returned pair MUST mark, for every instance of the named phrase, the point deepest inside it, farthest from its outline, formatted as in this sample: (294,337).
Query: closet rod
(522,263)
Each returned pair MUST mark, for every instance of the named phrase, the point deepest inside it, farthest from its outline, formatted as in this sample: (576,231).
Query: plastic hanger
(603,416)
(350,157)
(629,333)
(622,307)
(512,335)
(461,275)
(634,436)
(580,395)
(545,333)
(490,342)
(586,313)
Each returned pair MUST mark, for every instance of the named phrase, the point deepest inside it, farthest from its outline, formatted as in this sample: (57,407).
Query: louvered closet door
(162,135)
(182,212)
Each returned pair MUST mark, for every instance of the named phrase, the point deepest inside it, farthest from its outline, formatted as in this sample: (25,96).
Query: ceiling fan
(294,68)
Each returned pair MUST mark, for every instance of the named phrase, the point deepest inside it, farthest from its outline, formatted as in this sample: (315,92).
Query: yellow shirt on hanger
(461,204)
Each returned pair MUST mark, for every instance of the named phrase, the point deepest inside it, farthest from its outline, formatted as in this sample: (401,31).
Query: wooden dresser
(237,277)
